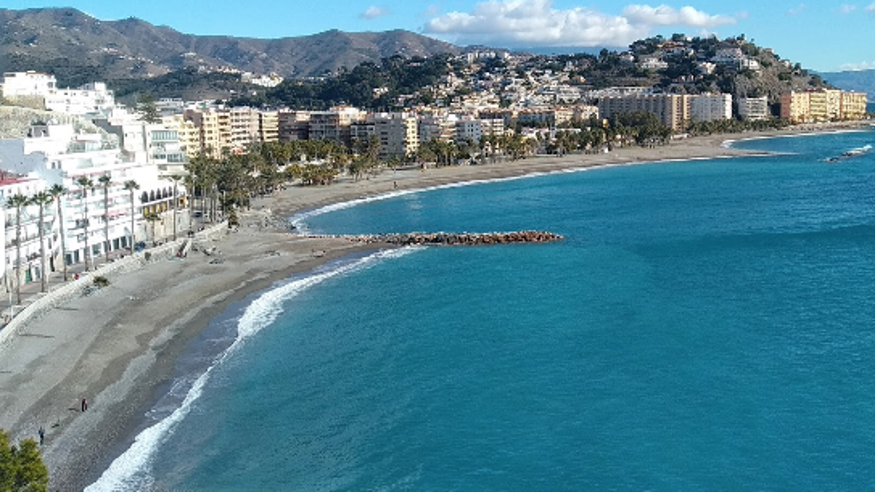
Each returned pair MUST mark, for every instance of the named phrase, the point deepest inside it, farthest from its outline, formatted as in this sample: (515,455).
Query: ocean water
(706,325)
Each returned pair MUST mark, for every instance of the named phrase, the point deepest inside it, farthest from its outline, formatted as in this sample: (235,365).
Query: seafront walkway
(34,302)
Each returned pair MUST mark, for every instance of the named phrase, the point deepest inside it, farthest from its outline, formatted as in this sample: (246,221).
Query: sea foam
(130,471)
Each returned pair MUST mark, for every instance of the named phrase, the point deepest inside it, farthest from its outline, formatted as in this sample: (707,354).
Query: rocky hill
(78,48)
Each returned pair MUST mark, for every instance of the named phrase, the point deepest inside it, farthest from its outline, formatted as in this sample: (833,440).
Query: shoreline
(118,347)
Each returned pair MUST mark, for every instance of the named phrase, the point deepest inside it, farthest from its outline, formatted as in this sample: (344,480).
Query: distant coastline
(119,347)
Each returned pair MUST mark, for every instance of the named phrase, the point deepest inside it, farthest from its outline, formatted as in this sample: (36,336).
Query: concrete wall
(75,288)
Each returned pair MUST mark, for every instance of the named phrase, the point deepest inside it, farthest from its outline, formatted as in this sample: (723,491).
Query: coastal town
(88,181)
(114,178)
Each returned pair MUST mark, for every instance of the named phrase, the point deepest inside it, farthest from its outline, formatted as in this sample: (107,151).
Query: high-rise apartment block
(823,105)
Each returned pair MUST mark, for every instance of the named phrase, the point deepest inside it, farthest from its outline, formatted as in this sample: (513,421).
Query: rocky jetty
(457,239)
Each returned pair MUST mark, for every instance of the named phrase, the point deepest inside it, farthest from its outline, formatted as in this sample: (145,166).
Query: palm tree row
(41,199)
(55,194)
(232,180)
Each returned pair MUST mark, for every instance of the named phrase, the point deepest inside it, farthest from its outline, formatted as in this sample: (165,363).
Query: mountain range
(78,48)
(858,80)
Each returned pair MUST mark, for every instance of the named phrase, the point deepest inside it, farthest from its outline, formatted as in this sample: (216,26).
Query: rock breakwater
(457,239)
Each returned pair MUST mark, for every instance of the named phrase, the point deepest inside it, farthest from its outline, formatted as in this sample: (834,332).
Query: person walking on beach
(84,404)
(42,435)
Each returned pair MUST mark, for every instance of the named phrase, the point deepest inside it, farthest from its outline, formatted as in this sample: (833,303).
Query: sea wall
(457,239)
(61,293)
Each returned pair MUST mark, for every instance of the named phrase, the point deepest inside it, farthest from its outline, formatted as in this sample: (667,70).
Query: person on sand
(84,404)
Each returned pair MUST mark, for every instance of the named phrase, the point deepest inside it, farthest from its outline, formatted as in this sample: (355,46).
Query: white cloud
(531,23)
(855,67)
(797,10)
(431,11)
(667,16)
(374,12)
(870,8)
(847,9)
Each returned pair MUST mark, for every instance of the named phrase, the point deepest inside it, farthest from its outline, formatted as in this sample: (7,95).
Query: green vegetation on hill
(21,466)
(188,84)
(369,85)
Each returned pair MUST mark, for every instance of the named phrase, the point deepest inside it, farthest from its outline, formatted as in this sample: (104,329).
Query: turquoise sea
(706,325)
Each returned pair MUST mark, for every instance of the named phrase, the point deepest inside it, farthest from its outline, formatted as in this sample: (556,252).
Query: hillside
(78,48)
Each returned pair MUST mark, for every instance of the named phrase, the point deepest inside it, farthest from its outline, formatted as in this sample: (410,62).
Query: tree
(17,201)
(105,180)
(57,192)
(152,218)
(147,109)
(85,184)
(131,186)
(42,199)
(176,179)
(21,467)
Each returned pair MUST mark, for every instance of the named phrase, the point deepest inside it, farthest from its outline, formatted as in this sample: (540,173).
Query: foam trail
(130,471)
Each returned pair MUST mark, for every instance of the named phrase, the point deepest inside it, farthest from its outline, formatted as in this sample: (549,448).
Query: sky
(821,35)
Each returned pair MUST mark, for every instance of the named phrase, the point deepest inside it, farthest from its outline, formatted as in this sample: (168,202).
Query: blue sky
(822,35)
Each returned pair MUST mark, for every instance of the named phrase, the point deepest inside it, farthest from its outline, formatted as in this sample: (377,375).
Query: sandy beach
(117,347)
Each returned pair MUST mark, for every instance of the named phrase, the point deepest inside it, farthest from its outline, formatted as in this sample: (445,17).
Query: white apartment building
(398,134)
(244,128)
(469,129)
(710,107)
(736,58)
(440,126)
(334,124)
(31,262)
(90,99)
(753,108)
(271,80)
(156,144)
(99,217)
(28,84)
(653,64)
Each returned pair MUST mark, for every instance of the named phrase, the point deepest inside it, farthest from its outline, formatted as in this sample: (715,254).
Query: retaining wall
(60,294)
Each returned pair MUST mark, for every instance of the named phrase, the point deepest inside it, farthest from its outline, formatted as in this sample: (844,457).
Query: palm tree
(152,218)
(176,179)
(57,191)
(85,184)
(17,201)
(42,199)
(105,181)
(131,186)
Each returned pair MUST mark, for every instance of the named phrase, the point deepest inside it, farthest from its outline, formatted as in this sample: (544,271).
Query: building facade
(398,134)
(97,218)
(823,105)
(710,107)
(753,108)
(673,110)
